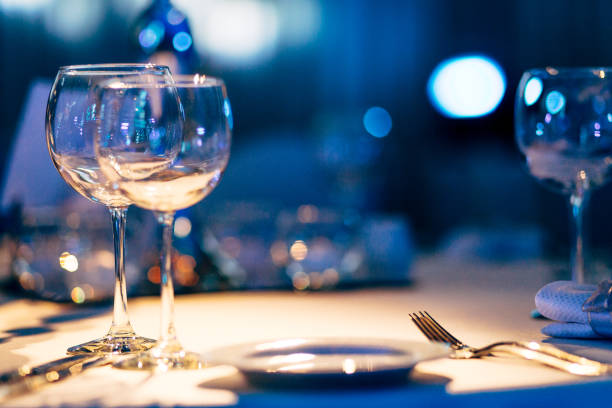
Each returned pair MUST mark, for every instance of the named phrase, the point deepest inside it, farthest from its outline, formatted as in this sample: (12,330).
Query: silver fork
(541,353)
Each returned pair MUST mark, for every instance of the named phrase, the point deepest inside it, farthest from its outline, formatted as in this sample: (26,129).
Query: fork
(541,353)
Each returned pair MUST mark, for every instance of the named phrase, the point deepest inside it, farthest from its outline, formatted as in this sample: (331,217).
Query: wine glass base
(154,361)
(114,345)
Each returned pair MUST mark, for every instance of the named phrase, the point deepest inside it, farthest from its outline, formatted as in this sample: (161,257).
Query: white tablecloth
(480,303)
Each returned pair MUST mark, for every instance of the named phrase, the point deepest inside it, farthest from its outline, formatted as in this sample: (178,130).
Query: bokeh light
(68,262)
(233,31)
(181,41)
(299,250)
(154,274)
(227,111)
(74,20)
(279,253)
(555,101)
(466,87)
(77,295)
(182,227)
(533,90)
(377,121)
(23,5)
(150,37)
(175,17)
(300,281)
(307,213)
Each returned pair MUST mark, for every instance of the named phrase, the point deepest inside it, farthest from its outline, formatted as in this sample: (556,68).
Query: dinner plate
(327,362)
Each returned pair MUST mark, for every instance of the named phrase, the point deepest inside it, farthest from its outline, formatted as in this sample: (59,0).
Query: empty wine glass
(188,172)
(563,128)
(71,129)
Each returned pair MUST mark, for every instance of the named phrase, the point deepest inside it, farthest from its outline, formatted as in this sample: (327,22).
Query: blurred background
(343,110)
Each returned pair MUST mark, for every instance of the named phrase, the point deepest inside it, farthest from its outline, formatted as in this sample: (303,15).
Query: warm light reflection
(26,280)
(349,366)
(199,79)
(154,274)
(73,220)
(300,281)
(116,85)
(291,358)
(184,269)
(316,280)
(68,262)
(307,214)
(77,295)
(182,227)
(52,376)
(529,354)
(330,277)
(533,345)
(25,252)
(280,344)
(295,367)
(279,253)
(552,71)
(584,369)
(299,250)
(89,291)
(602,74)
(105,258)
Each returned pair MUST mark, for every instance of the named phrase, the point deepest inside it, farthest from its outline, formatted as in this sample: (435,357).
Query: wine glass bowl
(189,169)
(563,128)
(182,172)
(71,130)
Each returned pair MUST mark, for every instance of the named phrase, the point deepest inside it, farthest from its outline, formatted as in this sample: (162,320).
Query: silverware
(541,353)
(27,379)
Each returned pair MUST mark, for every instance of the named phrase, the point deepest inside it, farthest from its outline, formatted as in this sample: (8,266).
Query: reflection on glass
(72,114)
(563,131)
(173,166)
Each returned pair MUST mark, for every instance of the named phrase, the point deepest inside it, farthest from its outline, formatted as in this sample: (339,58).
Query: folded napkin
(577,308)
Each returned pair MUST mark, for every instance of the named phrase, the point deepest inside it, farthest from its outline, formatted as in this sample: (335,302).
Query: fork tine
(452,339)
(425,329)
(440,335)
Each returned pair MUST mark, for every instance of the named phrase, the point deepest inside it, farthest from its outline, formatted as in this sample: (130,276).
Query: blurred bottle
(163,37)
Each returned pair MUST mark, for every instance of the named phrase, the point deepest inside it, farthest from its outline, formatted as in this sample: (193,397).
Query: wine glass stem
(578,202)
(121,323)
(168,332)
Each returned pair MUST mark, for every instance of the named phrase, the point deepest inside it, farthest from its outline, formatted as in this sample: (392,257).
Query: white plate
(328,362)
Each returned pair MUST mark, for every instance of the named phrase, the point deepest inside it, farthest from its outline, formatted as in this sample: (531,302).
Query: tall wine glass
(186,179)
(71,129)
(563,128)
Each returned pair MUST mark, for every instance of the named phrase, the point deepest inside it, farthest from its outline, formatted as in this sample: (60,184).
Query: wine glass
(190,170)
(71,129)
(563,128)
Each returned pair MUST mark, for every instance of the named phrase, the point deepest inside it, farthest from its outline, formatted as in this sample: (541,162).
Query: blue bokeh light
(533,90)
(181,41)
(466,87)
(377,121)
(555,101)
(151,35)
(227,110)
(175,17)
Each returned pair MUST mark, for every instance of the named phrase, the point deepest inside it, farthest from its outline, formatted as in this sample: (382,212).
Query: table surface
(479,301)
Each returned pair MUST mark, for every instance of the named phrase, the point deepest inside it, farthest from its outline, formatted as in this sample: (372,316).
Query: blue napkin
(562,301)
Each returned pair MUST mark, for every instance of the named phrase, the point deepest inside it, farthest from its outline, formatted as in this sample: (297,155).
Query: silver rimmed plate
(327,362)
